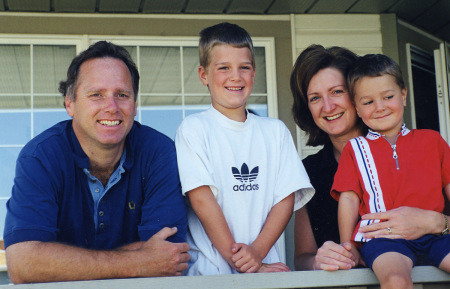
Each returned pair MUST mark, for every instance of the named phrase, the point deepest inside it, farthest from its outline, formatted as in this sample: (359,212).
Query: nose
(328,104)
(235,74)
(379,105)
(109,103)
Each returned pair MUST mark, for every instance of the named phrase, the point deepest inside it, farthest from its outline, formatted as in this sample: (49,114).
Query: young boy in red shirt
(391,167)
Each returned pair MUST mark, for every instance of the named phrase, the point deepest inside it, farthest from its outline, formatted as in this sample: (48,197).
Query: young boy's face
(229,77)
(380,103)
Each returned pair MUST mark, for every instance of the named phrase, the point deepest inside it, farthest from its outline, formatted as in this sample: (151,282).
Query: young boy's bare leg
(445,264)
(393,270)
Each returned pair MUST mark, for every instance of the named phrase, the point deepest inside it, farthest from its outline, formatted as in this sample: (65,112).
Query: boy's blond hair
(223,34)
(373,65)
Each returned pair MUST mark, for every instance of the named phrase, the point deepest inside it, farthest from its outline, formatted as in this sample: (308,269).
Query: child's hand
(245,258)
(355,252)
(274,267)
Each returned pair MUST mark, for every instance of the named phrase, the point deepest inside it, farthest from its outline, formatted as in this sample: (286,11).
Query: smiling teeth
(334,117)
(235,88)
(110,122)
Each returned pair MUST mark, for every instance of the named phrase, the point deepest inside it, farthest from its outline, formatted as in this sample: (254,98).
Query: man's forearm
(49,262)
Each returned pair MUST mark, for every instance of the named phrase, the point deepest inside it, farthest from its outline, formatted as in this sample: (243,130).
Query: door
(428,89)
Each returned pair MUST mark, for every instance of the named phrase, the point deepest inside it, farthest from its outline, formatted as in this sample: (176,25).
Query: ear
(203,75)
(404,93)
(69,103)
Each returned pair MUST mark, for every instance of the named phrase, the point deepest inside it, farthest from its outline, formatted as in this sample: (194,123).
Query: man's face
(104,107)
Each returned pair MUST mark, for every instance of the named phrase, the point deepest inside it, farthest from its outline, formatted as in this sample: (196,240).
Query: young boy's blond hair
(373,65)
(223,34)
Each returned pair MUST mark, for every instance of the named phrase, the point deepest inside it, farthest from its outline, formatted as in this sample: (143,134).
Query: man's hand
(164,258)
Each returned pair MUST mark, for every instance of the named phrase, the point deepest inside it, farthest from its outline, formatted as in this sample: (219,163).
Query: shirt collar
(375,135)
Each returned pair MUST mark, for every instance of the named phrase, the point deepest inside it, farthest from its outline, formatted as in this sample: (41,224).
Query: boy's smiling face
(380,103)
(229,76)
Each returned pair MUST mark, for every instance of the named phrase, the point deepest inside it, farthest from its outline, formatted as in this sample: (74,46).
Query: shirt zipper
(394,151)
(395,156)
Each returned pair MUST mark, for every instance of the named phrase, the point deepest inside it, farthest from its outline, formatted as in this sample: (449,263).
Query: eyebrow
(228,62)
(331,88)
(94,89)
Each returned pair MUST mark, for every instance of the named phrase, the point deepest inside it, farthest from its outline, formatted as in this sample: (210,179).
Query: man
(97,196)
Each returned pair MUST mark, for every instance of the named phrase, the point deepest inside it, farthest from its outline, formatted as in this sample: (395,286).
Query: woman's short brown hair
(309,62)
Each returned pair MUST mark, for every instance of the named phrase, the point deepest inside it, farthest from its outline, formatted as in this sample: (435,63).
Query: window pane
(7,172)
(13,101)
(14,128)
(44,119)
(50,66)
(15,76)
(192,83)
(165,119)
(160,70)
(260,85)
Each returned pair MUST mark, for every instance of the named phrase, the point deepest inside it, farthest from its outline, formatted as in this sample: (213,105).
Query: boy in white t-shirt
(241,172)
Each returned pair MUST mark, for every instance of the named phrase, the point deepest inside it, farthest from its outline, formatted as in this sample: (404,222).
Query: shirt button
(101,225)
(97,190)
(101,213)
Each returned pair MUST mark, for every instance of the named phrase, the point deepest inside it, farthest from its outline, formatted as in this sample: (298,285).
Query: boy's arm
(248,259)
(213,220)
(348,214)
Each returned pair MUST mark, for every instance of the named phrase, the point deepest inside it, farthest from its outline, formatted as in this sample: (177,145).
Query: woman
(322,108)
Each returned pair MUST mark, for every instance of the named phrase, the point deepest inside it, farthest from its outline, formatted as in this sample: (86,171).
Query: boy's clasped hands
(246,259)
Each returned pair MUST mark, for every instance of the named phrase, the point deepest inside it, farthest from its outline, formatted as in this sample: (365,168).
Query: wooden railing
(423,277)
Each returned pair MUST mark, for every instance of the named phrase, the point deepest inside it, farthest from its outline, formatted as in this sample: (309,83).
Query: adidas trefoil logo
(246,178)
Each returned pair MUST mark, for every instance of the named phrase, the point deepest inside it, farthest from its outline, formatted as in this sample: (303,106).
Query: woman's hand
(332,257)
(403,222)
(274,267)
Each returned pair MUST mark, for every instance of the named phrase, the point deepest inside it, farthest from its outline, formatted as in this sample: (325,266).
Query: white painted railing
(423,277)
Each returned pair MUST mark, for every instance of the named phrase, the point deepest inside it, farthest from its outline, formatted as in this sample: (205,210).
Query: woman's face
(330,104)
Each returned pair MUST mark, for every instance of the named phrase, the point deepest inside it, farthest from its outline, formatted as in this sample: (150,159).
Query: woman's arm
(213,220)
(330,256)
(405,222)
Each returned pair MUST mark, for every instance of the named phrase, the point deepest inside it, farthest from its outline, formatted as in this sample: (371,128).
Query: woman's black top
(322,208)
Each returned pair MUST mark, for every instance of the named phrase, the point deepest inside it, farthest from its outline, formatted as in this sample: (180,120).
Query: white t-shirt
(250,166)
